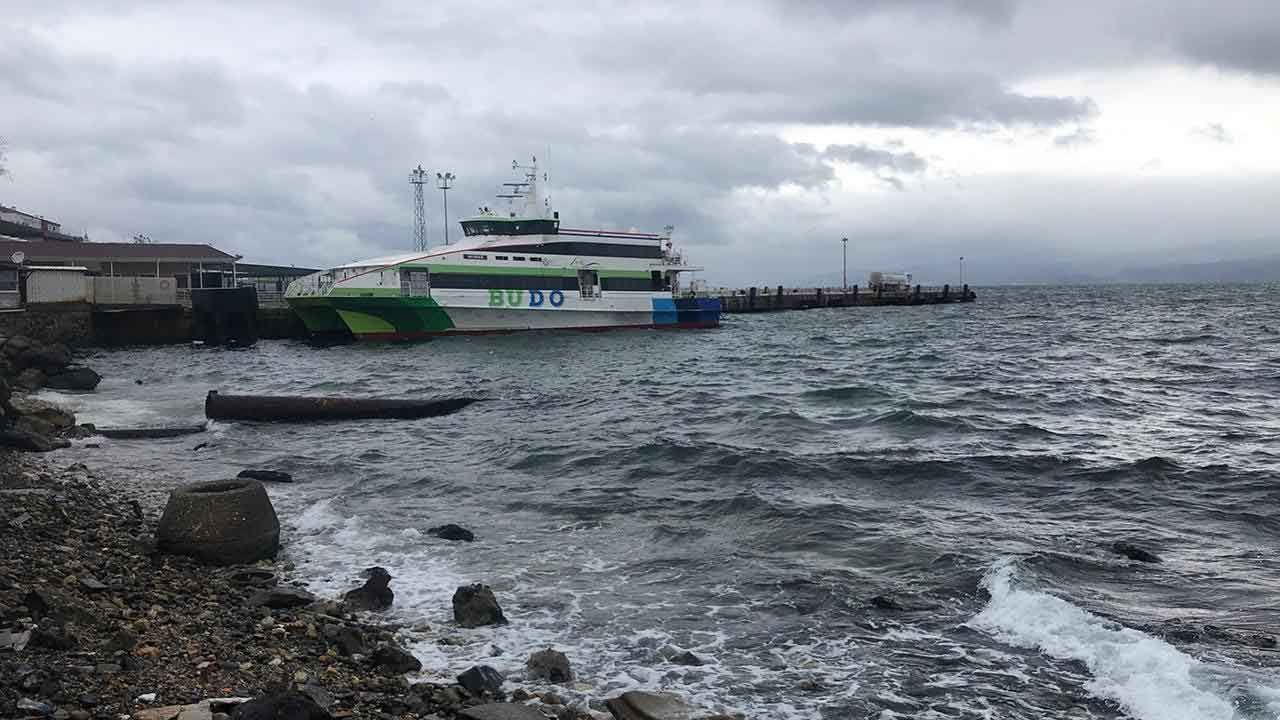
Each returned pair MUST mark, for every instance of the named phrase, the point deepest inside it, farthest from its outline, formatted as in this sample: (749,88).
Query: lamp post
(844,262)
(961,271)
(444,181)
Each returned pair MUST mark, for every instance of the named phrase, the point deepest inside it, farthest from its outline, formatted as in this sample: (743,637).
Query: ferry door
(588,284)
(415,283)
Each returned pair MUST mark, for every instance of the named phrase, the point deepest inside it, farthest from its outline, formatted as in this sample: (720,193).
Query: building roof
(45,252)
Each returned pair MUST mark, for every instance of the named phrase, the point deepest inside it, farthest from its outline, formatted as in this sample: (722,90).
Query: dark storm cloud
(285,131)
(876,159)
(1242,35)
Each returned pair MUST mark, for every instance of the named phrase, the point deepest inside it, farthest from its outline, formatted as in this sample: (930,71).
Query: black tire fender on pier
(223,522)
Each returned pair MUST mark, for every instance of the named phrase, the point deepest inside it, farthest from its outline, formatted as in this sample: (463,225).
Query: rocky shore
(96,622)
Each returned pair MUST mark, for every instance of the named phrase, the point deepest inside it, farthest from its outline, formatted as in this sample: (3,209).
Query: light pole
(961,271)
(444,181)
(844,258)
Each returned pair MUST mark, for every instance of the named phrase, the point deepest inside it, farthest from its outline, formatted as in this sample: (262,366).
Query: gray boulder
(375,594)
(475,606)
(395,659)
(637,705)
(21,439)
(49,358)
(283,706)
(481,679)
(549,665)
(30,379)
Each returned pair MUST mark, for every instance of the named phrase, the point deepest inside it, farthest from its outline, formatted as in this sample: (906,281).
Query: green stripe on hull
(318,314)
(392,315)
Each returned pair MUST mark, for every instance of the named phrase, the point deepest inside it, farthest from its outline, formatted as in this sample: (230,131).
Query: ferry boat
(511,271)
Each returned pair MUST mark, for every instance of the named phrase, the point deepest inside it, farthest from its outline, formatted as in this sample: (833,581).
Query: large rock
(56,417)
(17,345)
(79,378)
(501,711)
(549,666)
(224,522)
(283,706)
(49,358)
(395,659)
(26,440)
(475,606)
(375,594)
(638,705)
(452,532)
(30,379)
(481,679)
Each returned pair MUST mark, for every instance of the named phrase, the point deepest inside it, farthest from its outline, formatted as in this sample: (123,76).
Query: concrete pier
(775,299)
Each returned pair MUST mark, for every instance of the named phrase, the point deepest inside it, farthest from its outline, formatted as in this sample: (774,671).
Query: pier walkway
(781,298)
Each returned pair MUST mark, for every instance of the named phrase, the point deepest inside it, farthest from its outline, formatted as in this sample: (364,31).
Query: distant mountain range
(1258,269)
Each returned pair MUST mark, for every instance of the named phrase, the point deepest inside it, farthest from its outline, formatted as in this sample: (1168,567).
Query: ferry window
(8,280)
(467,256)
(535,259)
(517,257)
(499,257)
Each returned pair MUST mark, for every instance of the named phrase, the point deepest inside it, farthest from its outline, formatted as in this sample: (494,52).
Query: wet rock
(395,659)
(79,378)
(375,594)
(550,698)
(638,705)
(282,706)
(549,665)
(349,640)
(481,679)
(1133,552)
(476,606)
(501,711)
(29,379)
(318,695)
(280,598)
(49,358)
(266,475)
(16,345)
(687,658)
(452,532)
(22,439)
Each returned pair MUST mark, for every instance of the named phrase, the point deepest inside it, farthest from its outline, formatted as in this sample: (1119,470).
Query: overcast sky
(1027,135)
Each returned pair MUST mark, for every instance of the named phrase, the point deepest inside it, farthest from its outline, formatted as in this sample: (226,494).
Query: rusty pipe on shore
(279,408)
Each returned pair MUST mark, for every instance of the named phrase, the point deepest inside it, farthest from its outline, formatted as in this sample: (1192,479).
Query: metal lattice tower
(418,178)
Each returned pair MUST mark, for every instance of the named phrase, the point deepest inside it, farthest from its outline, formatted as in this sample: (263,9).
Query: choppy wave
(1147,677)
(809,504)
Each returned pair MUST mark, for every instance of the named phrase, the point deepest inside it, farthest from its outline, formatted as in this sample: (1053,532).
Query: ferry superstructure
(512,271)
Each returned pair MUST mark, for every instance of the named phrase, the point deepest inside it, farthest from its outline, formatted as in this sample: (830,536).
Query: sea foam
(1147,677)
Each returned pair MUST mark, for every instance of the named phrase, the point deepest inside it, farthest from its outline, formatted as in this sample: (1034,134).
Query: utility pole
(444,182)
(844,256)
(418,178)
